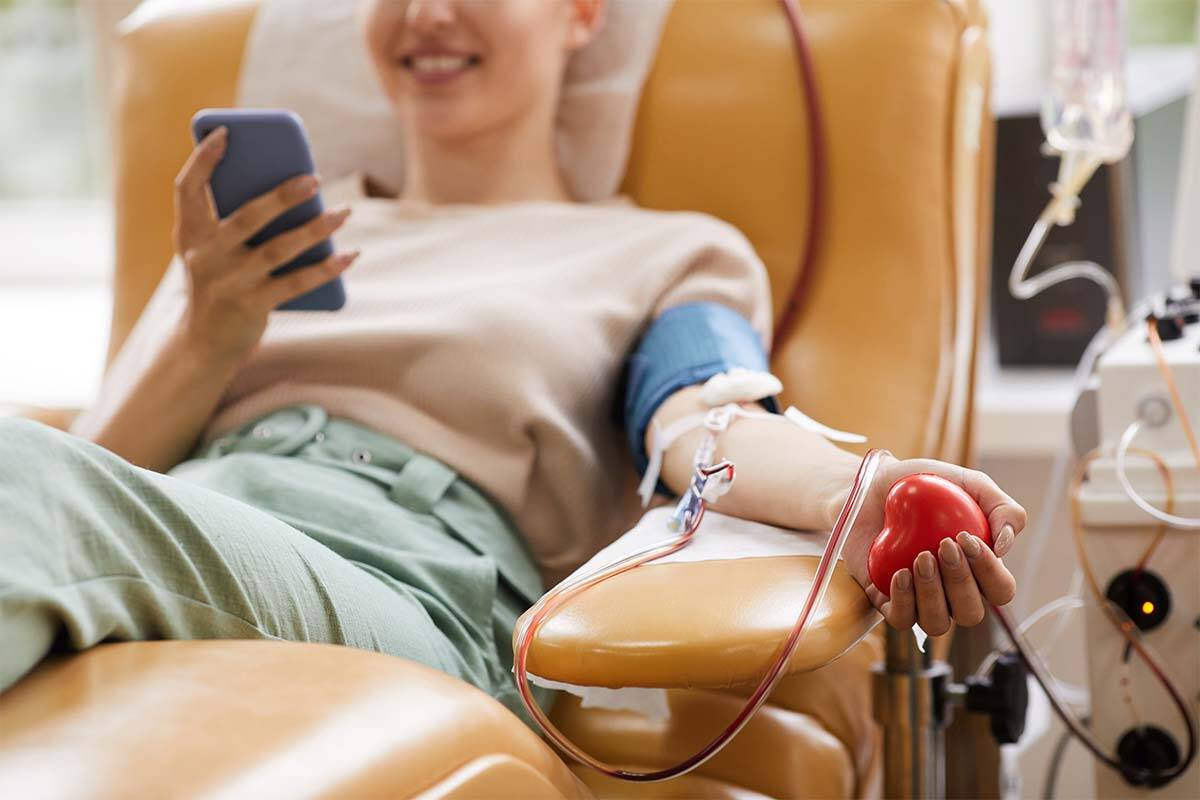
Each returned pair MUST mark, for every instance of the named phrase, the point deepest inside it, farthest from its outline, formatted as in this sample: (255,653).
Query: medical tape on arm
(665,437)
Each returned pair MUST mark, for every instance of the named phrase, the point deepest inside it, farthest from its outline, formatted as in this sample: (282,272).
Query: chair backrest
(885,340)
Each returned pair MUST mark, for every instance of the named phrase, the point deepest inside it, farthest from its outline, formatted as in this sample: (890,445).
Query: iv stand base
(911,693)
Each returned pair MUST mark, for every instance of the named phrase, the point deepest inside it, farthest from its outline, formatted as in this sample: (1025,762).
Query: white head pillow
(308,55)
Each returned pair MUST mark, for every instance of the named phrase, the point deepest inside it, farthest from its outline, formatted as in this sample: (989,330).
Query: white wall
(1019,52)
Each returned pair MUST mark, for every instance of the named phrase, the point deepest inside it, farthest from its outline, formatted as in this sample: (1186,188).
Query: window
(43,79)
(55,220)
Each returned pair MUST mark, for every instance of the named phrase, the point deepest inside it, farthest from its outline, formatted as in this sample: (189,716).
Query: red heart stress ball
(919,511)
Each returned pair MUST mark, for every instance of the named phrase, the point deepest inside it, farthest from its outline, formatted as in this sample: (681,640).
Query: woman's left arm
(793,478)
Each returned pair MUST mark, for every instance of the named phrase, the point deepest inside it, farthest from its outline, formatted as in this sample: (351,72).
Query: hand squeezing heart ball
(919,512)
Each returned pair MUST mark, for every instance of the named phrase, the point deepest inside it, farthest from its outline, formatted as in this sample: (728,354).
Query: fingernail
(970,545)
(904,580)
(348,258)
(949,553)
(926,565)
(1004,541)
(305,186)
(342,212)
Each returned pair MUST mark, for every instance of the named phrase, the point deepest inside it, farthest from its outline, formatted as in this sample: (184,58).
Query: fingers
(282,248)
(280,289)
(194,214)
(995,582)
(1006,517)
(254,215)
(954,586)
(901,609)
(1001,510)
(966,606)
(931,600)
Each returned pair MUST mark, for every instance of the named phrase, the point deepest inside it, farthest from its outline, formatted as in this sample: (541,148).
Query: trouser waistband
(412,479)
(416,481)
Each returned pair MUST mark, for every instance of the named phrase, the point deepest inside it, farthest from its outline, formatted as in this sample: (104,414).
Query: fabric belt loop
(313,418)
(421,483)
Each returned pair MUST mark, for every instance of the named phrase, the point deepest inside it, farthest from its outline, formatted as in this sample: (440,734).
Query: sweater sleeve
(160,316)
(724,270)
(713,316)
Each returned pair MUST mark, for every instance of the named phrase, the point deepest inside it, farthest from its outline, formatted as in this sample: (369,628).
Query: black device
(1054,327)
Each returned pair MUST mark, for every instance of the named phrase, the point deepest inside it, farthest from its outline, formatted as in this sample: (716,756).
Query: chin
(443,120)
(441,127)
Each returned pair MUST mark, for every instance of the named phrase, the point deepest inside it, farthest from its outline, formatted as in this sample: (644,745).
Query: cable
(816,170)
(1125,628)
(1056,759)
(1073,590)
(1042,675)
(1131,432)
(1077,695)
(1168,480)
(1061,210)
(1035,538)
(1067,602)
(1160,358)
(1074,172)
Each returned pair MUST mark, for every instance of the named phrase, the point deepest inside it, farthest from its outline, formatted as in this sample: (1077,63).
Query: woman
(408,473)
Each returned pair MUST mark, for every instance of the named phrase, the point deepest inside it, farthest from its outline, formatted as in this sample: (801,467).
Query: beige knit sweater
(492,338)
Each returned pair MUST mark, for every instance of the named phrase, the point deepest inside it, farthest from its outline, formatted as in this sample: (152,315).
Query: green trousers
(298,526)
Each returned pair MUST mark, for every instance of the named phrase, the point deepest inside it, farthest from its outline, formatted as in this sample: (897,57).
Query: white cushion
(308,55)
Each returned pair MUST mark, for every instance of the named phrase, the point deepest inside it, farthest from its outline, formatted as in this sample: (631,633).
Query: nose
(426,16)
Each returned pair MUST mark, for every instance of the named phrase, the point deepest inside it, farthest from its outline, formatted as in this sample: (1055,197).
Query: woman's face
(460,68)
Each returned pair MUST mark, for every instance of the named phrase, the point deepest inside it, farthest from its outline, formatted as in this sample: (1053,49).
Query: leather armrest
(251,718)
(706,624)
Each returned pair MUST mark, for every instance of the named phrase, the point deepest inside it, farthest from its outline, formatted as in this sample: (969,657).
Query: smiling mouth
(438,66)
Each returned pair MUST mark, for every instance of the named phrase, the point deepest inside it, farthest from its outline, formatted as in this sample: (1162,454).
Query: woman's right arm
(162,412)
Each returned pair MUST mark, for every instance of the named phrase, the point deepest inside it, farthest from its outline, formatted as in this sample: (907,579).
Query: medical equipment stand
(911,690)
(1163,598)
(914,696)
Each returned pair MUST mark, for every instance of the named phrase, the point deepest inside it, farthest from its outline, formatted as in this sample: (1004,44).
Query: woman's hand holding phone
(231,290)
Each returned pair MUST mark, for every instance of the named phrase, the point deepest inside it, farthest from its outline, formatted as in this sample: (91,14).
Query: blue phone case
(265,148)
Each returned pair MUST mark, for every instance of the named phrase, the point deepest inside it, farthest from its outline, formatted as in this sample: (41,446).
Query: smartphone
(265,147)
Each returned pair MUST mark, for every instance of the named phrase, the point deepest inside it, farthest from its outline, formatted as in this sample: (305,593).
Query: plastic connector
(1003,696)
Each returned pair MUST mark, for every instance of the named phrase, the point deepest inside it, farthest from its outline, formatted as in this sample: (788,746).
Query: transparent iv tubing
(1087,122)
(1068,602)
(1072,694)
(523,636)
(1131,432)
(1048,683)
(1127,630)
(1074,172)
(1174,520)
(1035,540)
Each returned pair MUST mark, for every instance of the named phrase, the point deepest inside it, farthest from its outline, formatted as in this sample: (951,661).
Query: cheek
(381,23)
(526,70)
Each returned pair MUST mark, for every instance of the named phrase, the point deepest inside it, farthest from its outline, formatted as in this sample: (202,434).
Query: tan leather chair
(884,343)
